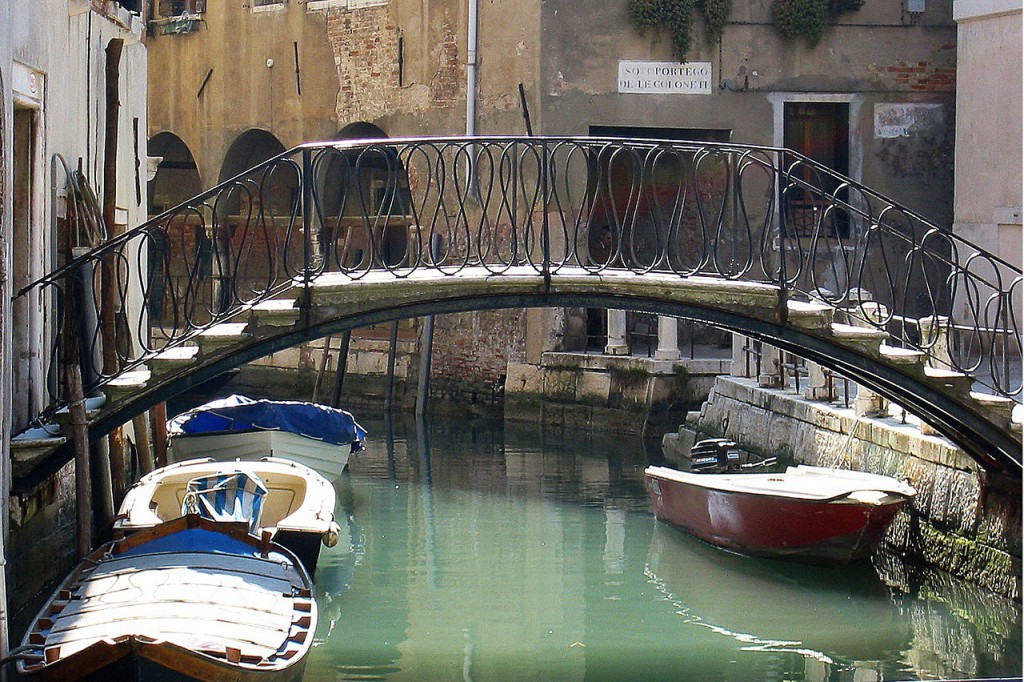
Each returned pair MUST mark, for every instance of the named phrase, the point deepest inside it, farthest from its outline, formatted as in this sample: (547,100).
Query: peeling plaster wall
(57,46)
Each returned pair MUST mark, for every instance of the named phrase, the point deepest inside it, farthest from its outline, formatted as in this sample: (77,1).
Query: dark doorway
(820,131)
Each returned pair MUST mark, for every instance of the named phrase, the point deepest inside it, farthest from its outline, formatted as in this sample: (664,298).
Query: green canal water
(478,551)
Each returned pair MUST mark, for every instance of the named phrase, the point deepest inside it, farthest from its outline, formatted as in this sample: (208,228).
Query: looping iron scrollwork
(398,206)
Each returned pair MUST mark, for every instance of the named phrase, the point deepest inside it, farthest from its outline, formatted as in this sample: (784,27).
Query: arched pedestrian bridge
(330,237)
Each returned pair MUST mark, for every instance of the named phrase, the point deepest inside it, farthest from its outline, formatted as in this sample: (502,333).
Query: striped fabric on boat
(234,496)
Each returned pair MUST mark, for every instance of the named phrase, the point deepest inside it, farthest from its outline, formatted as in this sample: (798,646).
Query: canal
(474,550)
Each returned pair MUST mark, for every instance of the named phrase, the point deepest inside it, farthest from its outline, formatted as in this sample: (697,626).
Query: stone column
(935,335)
(770,359)
(742,362)
(868,402)
(616,333)
(668,339)
(819,384)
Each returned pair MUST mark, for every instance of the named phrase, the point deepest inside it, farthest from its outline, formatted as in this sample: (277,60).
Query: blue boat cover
(239,413)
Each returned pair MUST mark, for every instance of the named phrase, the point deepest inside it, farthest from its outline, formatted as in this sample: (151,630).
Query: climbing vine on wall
(805,19)
(808,19)
(676,17)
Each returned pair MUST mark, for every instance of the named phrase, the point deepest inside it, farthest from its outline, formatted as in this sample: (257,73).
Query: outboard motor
(714,456)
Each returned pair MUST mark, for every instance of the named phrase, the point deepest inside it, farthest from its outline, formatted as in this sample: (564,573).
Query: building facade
(53,62)
(233,85)
(988,128)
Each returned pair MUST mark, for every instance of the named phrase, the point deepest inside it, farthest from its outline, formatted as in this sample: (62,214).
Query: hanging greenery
(716,14)
(805,19)
(808,19)
(676,16)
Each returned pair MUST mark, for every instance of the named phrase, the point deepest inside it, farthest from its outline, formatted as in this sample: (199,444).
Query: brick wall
(365,46)
(936,75)
(472,351)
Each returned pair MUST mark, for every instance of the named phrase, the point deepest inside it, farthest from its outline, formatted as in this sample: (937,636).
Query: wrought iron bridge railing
(400,206)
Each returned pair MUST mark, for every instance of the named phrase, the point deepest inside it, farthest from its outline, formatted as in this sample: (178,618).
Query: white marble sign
(665,78)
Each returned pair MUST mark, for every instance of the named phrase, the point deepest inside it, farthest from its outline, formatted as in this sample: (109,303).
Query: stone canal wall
(963,520)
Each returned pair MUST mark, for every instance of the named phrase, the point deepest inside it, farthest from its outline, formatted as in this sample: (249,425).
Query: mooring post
(80,439)
(339,380)
(427,342)
(389,389)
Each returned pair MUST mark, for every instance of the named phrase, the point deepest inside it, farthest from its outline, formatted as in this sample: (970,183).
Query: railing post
(307,215)
(545,236)
(307,233)
(783,312)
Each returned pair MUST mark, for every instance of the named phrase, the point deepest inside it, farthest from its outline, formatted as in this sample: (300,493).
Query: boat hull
(189,599)
(325,458)
(829,531)
(135,659)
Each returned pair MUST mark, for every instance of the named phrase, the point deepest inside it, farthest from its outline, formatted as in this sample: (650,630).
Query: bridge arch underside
(746,308)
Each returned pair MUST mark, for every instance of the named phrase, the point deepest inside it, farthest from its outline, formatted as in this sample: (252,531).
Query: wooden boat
(190,599)
(238,427)
(808,513)
(296,506)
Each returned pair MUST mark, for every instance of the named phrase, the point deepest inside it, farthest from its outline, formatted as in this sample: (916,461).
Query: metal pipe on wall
(471,65)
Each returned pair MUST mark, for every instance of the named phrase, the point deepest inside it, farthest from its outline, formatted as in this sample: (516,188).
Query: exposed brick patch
(478,345)
(918,77)
(445,85)
(365,47)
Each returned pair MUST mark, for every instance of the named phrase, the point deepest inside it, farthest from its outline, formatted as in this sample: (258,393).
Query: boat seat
(236,496)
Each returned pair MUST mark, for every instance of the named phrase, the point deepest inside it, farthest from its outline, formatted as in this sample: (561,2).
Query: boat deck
(202,600)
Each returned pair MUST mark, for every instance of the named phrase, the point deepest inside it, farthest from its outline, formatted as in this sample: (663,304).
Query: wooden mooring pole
(80,440)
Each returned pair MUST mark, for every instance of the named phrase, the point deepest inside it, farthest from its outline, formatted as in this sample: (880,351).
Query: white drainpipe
(471,70)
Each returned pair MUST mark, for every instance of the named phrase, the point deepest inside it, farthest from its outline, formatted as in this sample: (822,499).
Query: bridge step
(954,381)
(120,387)
(277,312)
(93,406)
(867,338)
(902,356)
(221,336)
(26,452)
(810,314)
(173,359)
(996,405)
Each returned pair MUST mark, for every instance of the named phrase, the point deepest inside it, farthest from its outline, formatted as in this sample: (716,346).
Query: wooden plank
(191,633)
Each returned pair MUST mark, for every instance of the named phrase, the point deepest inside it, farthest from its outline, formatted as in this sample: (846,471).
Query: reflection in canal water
(482,551)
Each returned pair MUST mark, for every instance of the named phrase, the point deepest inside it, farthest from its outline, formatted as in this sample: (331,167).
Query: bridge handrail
(719,209)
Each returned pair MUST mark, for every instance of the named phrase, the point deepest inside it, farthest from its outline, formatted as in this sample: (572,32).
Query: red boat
(807,513)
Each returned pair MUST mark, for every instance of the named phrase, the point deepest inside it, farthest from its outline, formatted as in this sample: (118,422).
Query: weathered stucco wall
(52,72)
(988,126)
(876,56)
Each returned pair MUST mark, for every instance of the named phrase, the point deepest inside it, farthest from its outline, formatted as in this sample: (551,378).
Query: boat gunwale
(740,483)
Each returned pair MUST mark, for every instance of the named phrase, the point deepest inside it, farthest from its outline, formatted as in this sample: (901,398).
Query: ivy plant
(676,17)
(808,19)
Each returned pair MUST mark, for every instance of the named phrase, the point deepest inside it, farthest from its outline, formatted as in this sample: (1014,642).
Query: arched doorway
(278,187)
(177,177)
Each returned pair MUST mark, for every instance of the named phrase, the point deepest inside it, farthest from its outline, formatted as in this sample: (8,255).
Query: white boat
(190,599)
(296,504)
(238,427)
